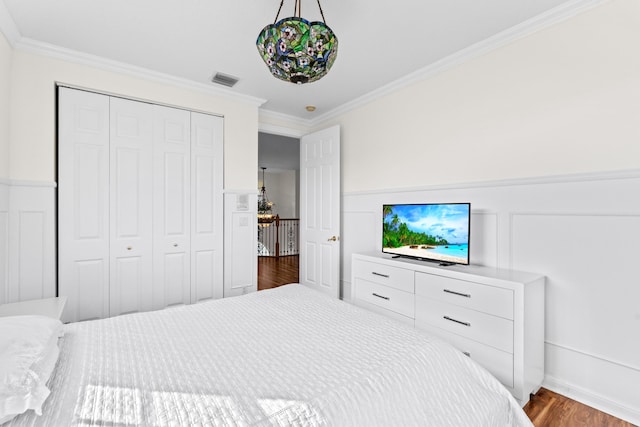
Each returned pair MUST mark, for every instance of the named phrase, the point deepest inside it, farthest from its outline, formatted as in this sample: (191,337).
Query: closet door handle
(457,293)
(451,319)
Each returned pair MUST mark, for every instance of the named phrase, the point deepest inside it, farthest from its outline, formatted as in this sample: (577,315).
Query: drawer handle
(380,296)
(457,321)
(380,274)
(457,293)
(466,353)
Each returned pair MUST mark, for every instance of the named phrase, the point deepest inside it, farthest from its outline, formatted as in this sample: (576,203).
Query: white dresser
(495,316)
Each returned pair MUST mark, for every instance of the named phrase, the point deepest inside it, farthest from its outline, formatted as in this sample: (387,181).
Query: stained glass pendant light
(296,50)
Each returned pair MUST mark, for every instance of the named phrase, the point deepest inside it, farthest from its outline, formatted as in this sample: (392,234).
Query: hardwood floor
(274,272)
(545,409)
(549,409)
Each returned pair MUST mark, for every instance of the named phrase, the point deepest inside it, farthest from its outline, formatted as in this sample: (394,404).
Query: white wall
(27,198)
(581,232)
(562,100)
(4,241)
(32,147)
(6,55)
(283,191)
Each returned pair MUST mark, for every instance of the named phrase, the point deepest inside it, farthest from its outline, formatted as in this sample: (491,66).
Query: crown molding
(8,26)
(544,20)
(294,127)
(563,12)
(33,46)
(281,130)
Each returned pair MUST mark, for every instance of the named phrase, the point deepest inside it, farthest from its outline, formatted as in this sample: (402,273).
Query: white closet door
(131,206)
(206,207)
(171,207)
(83,204)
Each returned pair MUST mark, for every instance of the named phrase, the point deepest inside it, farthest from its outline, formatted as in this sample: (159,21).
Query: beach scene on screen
(429,231)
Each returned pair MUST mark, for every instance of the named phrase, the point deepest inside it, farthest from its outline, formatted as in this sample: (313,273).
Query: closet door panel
(92,297)
(171,212)
(205,275)
(140,207)
(129,296)
(83,203)
(206,207)
(131,216)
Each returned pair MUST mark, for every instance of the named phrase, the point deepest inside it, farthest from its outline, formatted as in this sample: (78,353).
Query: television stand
(505,307)
(446,264)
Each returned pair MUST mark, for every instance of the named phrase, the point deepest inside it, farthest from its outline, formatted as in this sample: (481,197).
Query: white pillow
(28,354)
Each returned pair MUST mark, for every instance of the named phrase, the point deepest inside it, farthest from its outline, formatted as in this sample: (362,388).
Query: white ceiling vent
(224,80)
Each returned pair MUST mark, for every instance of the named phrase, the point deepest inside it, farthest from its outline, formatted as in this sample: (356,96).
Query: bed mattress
(282,357)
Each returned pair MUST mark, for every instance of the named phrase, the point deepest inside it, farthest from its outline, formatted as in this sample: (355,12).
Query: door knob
(129,248)
(333,239)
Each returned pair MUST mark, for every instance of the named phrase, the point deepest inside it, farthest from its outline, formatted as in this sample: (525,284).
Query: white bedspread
(288,356)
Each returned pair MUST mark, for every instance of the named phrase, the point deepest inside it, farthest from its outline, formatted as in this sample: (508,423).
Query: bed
(286,356)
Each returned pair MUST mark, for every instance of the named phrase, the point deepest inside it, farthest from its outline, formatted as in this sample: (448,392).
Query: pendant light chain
(321,12)
(278,14)
(297,10)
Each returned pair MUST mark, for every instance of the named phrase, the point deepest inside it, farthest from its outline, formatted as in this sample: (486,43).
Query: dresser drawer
(499,363)
(383,296)
(487,299)
(481,327)
(394,277)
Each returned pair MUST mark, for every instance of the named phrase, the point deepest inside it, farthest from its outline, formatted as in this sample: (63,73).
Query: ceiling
(379,42)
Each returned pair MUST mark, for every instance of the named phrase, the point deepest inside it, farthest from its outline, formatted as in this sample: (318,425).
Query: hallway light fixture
(296,50)
(265,214)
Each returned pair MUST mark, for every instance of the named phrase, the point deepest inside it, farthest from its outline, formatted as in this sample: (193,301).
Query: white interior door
(83,204)
(131,182)
(207,237)
(171,206)
(320,210)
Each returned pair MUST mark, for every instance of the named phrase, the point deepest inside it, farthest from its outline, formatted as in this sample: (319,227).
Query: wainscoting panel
(484,241)
(597,382)
(582,233)
(241,243)
(592,295)
(359,225)
(4,242)
(32,269)
(590,264)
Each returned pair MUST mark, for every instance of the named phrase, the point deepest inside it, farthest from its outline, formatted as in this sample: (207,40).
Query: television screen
(434,232)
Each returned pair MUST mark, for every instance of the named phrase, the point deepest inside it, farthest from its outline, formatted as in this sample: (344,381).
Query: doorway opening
(278,242)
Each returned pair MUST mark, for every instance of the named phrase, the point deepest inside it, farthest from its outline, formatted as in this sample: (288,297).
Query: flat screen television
(437,232)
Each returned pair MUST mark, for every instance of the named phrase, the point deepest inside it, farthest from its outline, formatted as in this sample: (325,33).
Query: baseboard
(590,398)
